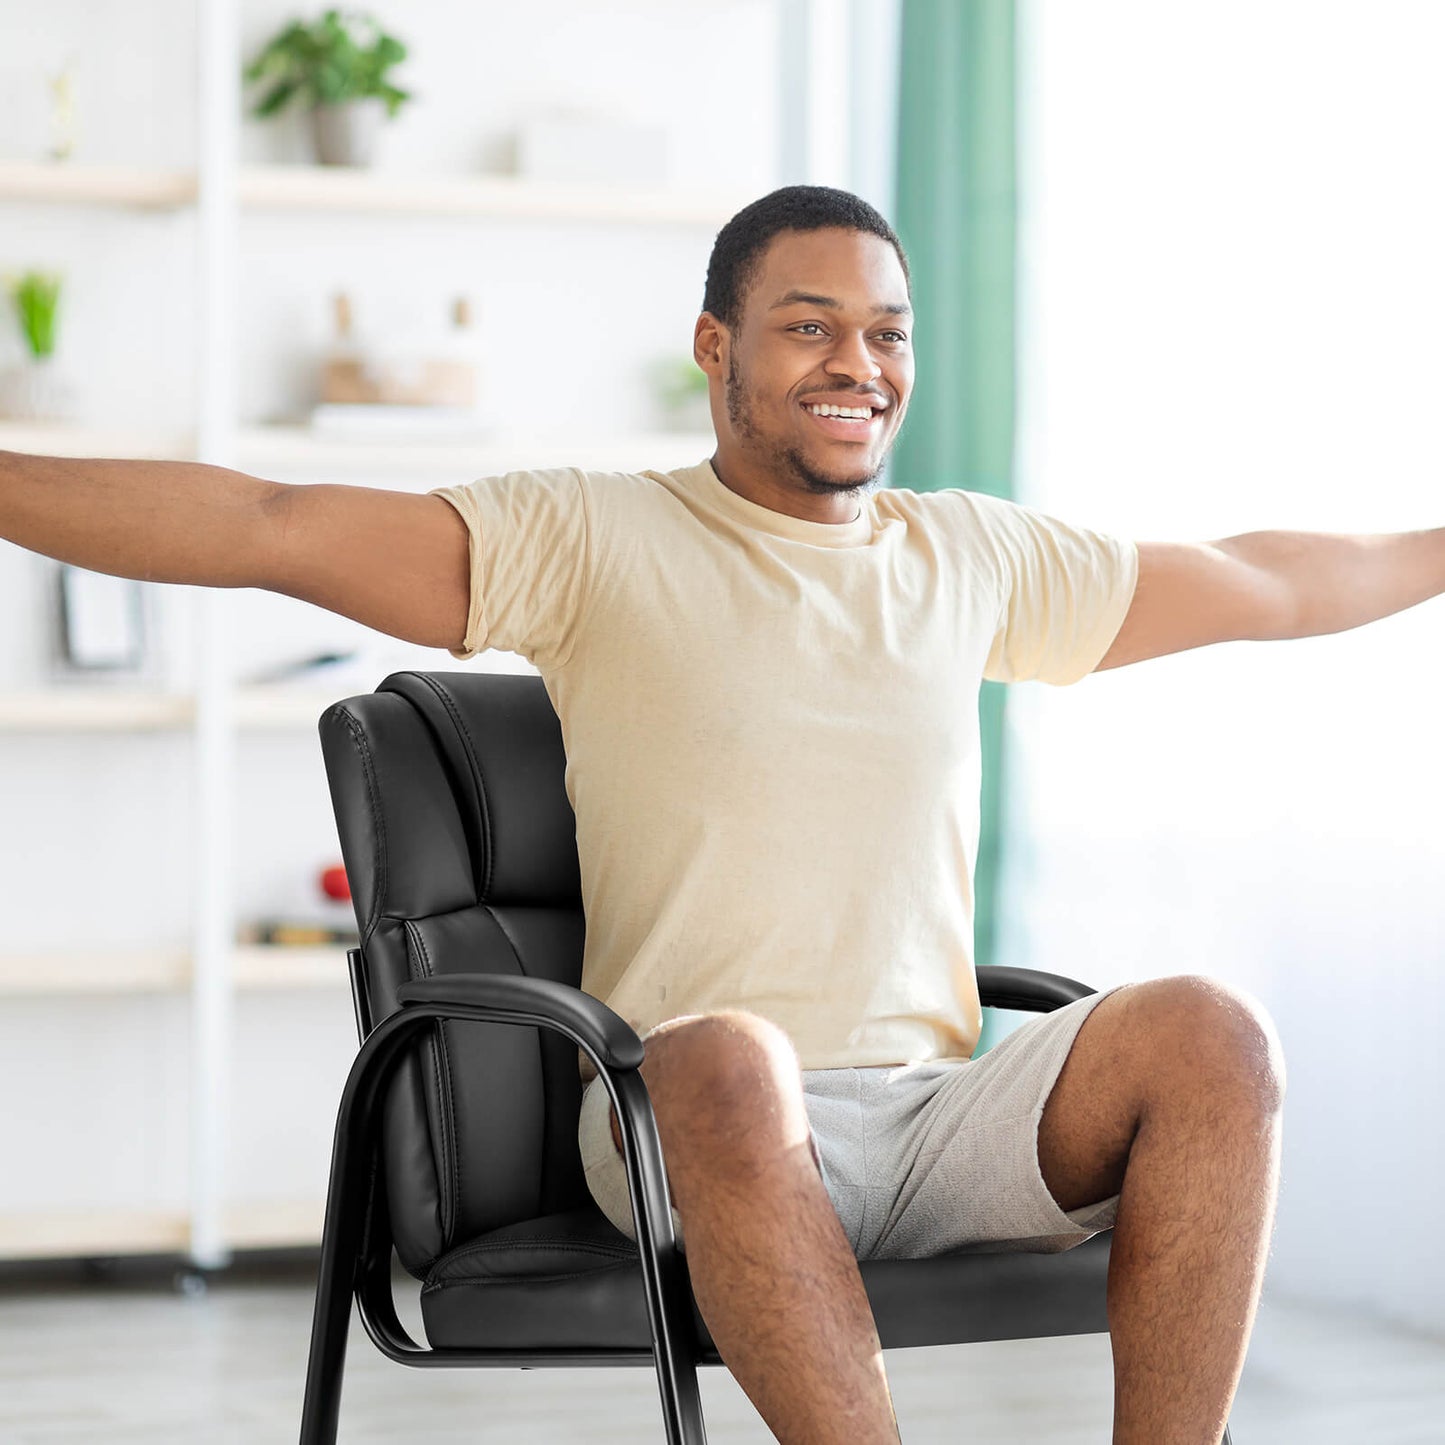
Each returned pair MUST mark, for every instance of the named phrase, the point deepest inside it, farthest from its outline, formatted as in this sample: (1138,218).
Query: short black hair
(738,250)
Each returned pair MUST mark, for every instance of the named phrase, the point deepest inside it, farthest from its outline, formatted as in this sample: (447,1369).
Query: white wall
(1232,224)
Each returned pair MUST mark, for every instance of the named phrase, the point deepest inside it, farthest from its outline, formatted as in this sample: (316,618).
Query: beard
(742,414)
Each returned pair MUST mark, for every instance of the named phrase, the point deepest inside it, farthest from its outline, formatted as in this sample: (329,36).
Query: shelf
(100,970)
(66,439)
(101,1233)
(348,189)
(263,967)
(128,186)
(112,971)
(279,1224)
(92,1233)
(341,188)
(91,709)
(298,448)
(270,708)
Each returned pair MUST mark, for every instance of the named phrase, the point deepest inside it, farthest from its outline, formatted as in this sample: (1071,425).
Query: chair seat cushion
(574,1281)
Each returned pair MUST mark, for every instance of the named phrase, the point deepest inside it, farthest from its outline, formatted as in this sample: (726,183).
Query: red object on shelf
(334,883)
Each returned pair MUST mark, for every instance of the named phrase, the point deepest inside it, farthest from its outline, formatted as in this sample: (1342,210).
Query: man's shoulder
(946,507)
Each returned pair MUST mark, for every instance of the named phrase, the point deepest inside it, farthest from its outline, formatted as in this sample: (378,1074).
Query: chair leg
(664,1278)
(331,1321)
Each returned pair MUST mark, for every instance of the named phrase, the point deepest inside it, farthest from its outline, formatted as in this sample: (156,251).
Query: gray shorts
(918,1159)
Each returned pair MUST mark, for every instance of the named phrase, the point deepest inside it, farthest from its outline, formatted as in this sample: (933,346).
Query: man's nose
(851,357)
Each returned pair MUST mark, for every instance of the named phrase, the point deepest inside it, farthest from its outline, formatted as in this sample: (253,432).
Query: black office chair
(456,1142)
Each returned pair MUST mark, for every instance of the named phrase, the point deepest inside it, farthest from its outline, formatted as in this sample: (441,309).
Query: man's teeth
(856,411)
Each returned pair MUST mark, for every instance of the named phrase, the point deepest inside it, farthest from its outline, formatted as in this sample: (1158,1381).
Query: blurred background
(1177,272)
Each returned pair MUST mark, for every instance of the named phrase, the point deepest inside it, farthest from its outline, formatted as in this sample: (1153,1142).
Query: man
(766,669)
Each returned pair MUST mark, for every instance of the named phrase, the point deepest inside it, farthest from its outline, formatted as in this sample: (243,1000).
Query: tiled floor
(130,1359)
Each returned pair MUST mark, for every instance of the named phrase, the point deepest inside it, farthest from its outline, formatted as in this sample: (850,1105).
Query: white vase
(36,391)
(345,134)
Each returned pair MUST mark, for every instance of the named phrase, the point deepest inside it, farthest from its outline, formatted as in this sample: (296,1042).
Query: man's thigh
(944,1157)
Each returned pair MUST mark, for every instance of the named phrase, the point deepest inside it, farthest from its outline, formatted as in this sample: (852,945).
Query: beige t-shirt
(772,732)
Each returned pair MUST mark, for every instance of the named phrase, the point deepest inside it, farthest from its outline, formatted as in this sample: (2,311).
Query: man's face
(825,323)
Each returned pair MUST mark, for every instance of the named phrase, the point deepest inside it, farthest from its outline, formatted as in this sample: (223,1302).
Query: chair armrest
(607,1034)
(617,1052)
(1000,986)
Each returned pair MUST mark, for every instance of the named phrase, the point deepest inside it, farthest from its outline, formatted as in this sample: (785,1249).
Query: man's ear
(710,343)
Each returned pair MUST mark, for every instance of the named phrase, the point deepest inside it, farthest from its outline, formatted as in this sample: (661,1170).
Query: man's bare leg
(772,1270)
(1171,1098)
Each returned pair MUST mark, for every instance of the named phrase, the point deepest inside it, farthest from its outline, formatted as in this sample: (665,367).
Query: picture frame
(102,624)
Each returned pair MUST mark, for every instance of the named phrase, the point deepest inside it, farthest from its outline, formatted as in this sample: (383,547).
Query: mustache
(867,394)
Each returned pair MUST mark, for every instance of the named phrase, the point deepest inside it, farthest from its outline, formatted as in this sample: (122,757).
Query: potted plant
(338,67)
(32,391)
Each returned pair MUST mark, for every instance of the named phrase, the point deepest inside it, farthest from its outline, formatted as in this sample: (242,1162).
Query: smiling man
(767,671)
(817,386)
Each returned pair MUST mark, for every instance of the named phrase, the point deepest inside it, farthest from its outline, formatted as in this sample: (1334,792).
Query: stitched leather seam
(617,1251)
(359,738)
(459,722)
(441,1067)
(432,1286)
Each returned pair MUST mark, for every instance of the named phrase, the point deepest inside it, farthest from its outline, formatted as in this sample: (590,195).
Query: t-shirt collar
(781,524)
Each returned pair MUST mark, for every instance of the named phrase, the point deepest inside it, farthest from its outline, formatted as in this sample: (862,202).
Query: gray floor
(129,1358)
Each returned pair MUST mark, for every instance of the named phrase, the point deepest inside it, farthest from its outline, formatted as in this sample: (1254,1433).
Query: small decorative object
(680,387)
(62,111)
(335,884)
(337,66)
(34,391)
(400,378)
(330,921)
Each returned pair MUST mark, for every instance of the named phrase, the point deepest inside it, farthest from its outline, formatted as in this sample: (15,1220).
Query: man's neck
(837,508)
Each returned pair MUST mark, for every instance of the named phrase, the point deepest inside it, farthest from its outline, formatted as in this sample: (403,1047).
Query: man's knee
(721,1071)
(1212,1031)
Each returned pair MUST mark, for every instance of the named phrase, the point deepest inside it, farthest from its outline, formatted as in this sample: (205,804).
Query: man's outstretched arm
(1269,585)
(395,561)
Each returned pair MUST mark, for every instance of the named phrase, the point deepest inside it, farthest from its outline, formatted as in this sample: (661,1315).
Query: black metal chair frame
(357,1244)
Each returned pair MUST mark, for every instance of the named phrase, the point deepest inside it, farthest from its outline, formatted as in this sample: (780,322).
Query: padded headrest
(501,745)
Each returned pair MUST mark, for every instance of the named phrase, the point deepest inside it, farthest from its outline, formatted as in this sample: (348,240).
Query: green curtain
(955,210)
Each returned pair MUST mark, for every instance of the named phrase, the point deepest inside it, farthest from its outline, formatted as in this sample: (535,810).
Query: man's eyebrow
(810,298)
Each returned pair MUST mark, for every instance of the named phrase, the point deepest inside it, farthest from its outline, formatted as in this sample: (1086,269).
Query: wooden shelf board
(295,446)
(98,970)
(271,447)
(95,709)
(273,1224)
(101,1232)
(376,192)
(76,439)
(339,188)
(112,971)
(266,966)
(81,1233)
(144,188)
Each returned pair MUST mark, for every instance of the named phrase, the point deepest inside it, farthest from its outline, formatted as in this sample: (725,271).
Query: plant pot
(345,134)
(36,391)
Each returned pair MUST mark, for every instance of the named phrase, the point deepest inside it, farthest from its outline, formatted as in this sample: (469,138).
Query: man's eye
(894,336)
(802,324)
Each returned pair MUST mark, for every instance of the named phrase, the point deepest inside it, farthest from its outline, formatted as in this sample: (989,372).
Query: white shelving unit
(210,972)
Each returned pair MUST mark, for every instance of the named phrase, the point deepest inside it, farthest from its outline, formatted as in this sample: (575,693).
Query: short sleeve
(530,563)
(1064,593)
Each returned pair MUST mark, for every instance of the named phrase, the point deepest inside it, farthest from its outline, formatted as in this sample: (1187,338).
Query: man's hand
(1269,585)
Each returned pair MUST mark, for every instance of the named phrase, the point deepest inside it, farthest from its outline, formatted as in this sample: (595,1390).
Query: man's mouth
(854,421)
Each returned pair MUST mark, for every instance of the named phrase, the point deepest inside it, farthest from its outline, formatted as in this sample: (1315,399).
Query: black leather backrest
(460,846)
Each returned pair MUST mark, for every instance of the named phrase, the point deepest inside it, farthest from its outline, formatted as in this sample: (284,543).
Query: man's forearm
(156,521)
(1340,581)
